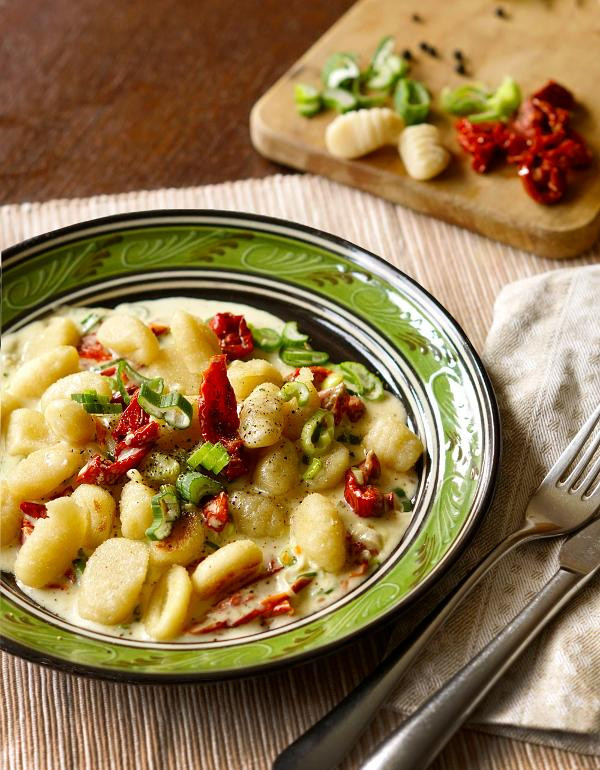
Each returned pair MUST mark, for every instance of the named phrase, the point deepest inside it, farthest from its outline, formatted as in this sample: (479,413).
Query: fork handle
(423,735)
(327,742)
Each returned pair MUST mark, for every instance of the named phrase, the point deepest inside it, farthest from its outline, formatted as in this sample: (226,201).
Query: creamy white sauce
(325,588)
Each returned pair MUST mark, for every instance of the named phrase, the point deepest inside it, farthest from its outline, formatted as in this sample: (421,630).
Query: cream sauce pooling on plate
(379,535)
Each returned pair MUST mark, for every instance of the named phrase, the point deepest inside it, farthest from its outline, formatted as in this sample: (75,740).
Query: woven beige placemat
(53,720)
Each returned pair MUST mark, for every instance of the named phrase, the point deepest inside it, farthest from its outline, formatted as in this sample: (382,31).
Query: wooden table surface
(111,96)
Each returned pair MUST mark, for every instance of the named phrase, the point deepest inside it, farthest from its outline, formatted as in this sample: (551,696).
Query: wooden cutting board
(538,41)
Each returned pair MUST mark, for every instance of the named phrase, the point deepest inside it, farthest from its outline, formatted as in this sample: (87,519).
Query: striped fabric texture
(51,720)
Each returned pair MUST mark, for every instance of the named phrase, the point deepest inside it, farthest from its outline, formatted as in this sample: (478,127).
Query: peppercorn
(501,13)
(428,49)
(416,18)
(406,54)
(460,68)
(458,54)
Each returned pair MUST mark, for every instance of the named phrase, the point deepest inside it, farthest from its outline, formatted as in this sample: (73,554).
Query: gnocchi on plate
(177,469)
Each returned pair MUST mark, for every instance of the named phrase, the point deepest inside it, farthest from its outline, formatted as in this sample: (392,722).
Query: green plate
(354,305)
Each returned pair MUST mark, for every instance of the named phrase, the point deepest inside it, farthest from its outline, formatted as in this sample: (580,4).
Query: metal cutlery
(424,734)
(558,507)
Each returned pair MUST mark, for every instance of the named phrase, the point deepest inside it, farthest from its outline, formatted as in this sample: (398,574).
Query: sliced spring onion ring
(93,403)
(466,99)
(384,49)
(266,339)
(173,408)
(90,322)
(340,70)
(411,101)
(339,99)
(297,390)
(480,104)
(315,466)
(308,100)
(317,433)
(361,381)
(165,511)
(123,367)
(333,379)
(193,486)
(213,457)
(291,337)
(303,357)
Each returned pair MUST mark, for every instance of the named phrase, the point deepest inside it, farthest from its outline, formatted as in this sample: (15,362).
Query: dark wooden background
(106,96)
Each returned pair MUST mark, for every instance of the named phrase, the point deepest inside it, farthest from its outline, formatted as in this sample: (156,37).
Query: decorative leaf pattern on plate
(391,309)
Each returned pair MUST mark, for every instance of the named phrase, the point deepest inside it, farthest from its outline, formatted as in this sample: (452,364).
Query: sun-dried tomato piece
(364,498)
(89,347)
(217,412)
(235,338)
(217,407)
(270,607)
(132,419)
(320,373)
(103,472)
(570,153)
(301,583)
(556,95)
(141,437)
(216,512)
(371,467)
(481,140)
(34,510)
(543,180)
(339,402)
(159,329)
(96,471)
(238,463)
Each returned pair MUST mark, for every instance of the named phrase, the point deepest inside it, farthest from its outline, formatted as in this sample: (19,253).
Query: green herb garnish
(212,457)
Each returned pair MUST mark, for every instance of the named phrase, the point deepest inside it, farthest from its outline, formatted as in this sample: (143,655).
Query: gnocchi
(319,531)
(227,569)
(33,377)
(209,501)
(168,604)
(55,541)
(258,515)
(99,506)
(112,581)
(360,132)
(58,332)
(8,403)
(394,444)
(183,545)
(244,376)
(128,336)
(43,471)
(278,470)
(195,341)
(68,420)
(10,515)
(135,509)
(261,417)
(77,382)
(422,152)
(26,432)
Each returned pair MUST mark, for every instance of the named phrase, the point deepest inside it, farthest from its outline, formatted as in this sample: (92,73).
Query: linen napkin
(543,355)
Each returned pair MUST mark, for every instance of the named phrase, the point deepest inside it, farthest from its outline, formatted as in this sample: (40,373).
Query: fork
(559,506)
